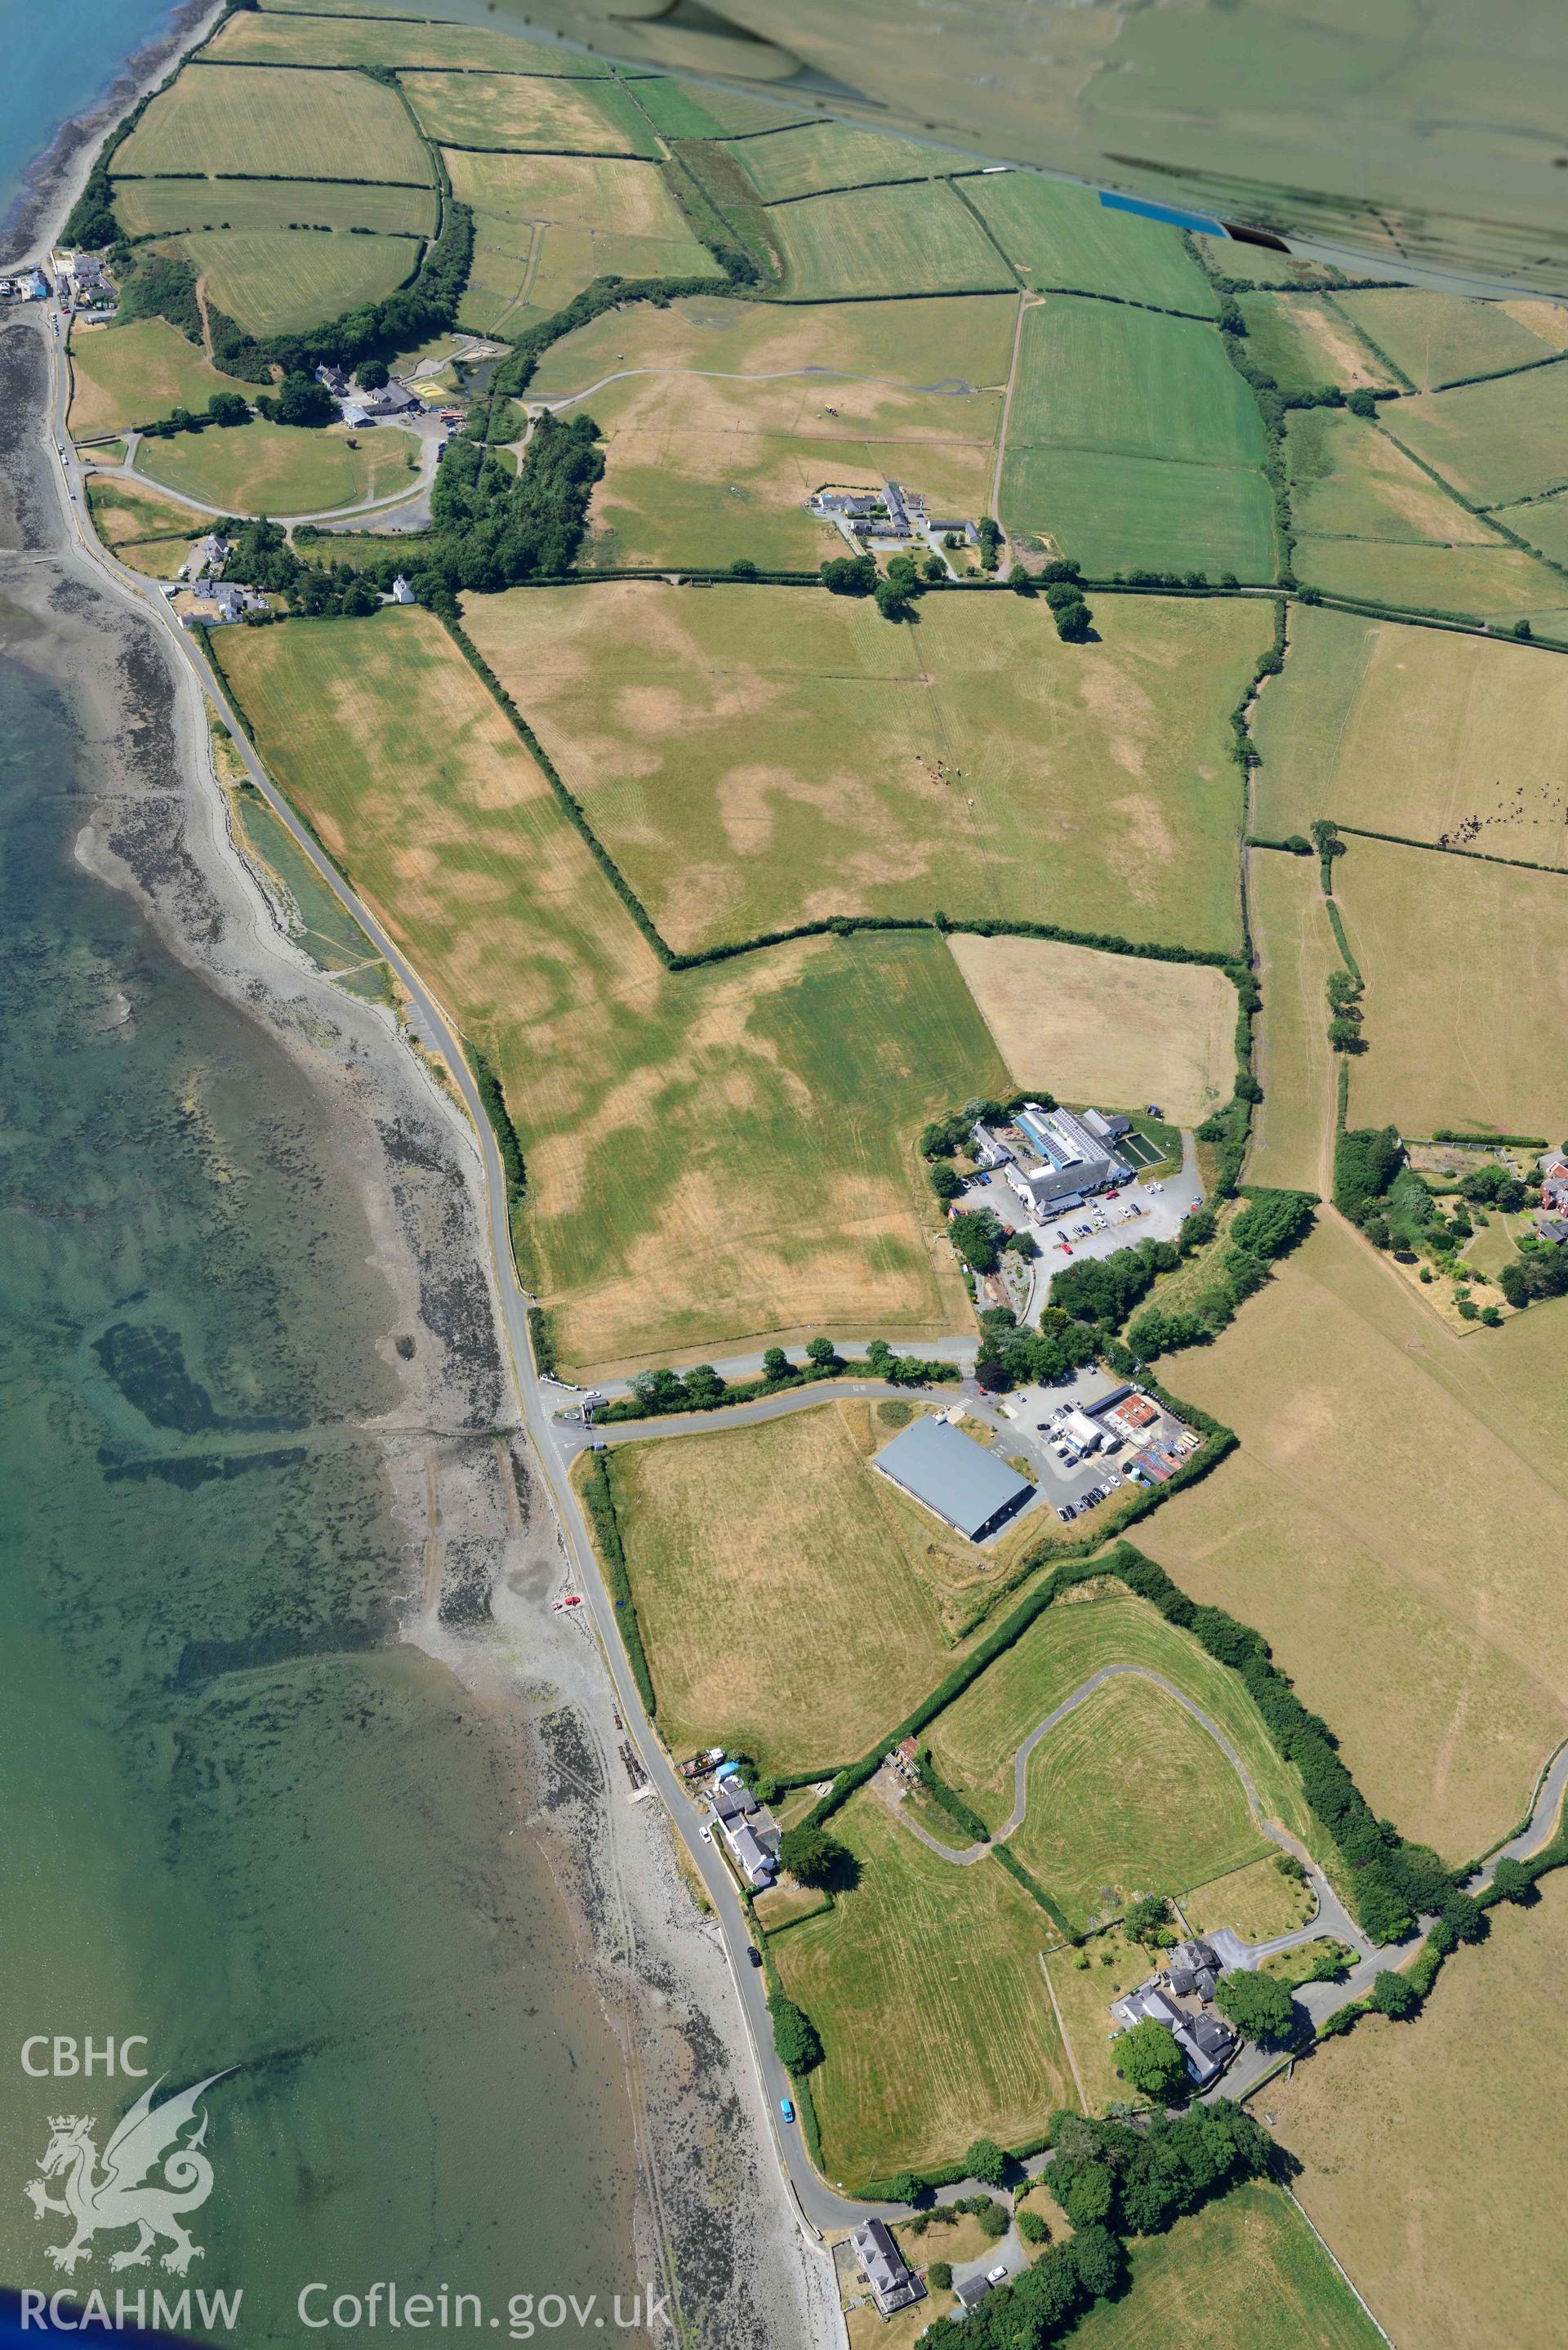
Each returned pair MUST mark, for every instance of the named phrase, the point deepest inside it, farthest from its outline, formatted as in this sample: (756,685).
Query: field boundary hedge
(598,1500)
(1446,848)
(1035,1890)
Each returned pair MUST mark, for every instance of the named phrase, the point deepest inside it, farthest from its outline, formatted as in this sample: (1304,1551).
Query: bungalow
(893,2285)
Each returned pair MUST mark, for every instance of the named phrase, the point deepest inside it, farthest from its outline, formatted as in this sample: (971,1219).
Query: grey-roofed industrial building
(956,1479)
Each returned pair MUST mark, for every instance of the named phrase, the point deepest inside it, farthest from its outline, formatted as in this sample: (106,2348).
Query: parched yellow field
(1303,340)
(516,109)
(713,1155)
(1292,1125)
(121,509)
(341,37)
(1467,991)
(974,1744)
(609,194)
(546,225)
(697,471)
(1407,730)
(926,1985)
(1350,482)
(273,282)
(294,123)
(136,373)
(778,1589)
(1442,338)
(1392,1525)
(757,757)
(1103,1027)
(906,345)
(1446,2249)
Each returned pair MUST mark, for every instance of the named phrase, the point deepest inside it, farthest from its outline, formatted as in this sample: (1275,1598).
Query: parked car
(996,2276)
(786,2107)
(755,1955)
(1066,1515)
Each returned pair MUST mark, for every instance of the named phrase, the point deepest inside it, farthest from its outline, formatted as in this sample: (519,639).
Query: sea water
(240,1826)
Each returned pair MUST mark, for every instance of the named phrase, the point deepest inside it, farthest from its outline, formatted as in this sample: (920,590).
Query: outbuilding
(954,1478)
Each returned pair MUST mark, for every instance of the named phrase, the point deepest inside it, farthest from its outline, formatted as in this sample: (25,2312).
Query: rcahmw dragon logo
(126,2193)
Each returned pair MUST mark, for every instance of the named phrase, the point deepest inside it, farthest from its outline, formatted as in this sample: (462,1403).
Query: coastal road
(819,2207)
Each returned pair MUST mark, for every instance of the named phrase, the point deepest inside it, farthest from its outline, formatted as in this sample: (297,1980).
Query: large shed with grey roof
(956,1479)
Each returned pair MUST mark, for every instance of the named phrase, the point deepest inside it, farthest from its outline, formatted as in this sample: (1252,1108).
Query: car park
(1067,1516)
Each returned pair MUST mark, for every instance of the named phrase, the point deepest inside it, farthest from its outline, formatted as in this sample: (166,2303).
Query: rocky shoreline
(482,1545)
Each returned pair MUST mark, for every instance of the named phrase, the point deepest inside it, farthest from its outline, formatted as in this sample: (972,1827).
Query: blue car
(786,2107)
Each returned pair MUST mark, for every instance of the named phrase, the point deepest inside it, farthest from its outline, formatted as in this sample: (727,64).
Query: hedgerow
(598,1500)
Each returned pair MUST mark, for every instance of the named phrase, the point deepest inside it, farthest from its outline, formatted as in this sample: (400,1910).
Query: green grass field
(1435,339)
(1104,376)
(1136,514)
(1370,1528)
(1291,1059)
(755,1119)
(757,757)
(913,240)
(1447,2251)
(1133,442)
(273,282)
(299,124)
(147,207)
(130,375)
(735,1542)
(925,1983)
(1245,2273)
(1405,731)
(277,469)
(123,511)
(1303,342)
(683,111)
(517,110)
(974,1741)
(1348,480)
(813,157)
(1544,522)
(1130,1795)
(1493,441)
(1493,584)
(1064,238)
(341,37)
(1466,996)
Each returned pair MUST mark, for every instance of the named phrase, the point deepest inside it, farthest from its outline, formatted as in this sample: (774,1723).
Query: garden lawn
(1292,1125)
(1435,339)
(1257,1902)
(1492,442)
(278,469)
(926,1985)
(713,1155)
(519,110)
(1449,2249)
(1405,731)
(1391,1525)
(133,374)
(756,1555)
(904,240)
(974,1744)
(1105,1028)
(1062,238)
(758,756)
(149,207)
(1467,991)
(815,157)
(268,36)
(276,124)
(1245,2273)
(275,283)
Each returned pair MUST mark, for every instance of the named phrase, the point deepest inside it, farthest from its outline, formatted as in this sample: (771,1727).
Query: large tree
(810,1855)
(1152,2062)
(1258,2007)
